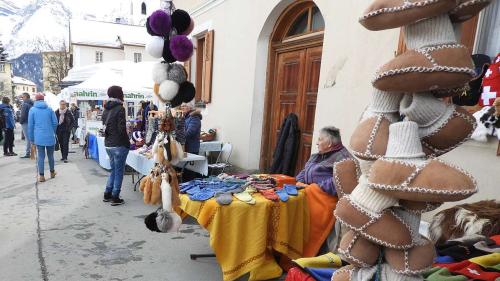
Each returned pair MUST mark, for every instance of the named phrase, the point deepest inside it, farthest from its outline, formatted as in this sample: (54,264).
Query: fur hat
(167,54)
(39,96)
(160,22)
(159,72)
(115,92)
(181,47)
(149,30)
(168,221)
(150,221)
(155,45)
(181,21)
(186,93)
(168,90)
(176,73)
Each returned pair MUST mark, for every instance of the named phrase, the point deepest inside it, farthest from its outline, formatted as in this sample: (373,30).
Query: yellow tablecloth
(243,236)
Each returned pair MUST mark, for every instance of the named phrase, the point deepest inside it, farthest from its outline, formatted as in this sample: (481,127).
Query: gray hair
(332,133)
(26,95)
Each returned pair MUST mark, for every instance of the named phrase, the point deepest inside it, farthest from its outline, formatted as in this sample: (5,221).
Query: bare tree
(56,65)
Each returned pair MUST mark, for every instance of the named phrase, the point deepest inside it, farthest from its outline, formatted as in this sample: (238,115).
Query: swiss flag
(491,83)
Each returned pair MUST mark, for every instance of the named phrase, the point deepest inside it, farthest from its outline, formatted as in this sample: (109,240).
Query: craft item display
(169,30)
(491,83)
(396,177)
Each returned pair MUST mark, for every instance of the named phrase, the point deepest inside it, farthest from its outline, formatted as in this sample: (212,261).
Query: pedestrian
(64,128)
(23,120)
(42,125)
(75,111)
(7,124)
(117,143)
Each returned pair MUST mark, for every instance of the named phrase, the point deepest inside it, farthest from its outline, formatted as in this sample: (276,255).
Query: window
(488,37)
(2,67)
(143,8)
(137,57)
(33,90)
(309,21)
(98,56)
(203,67)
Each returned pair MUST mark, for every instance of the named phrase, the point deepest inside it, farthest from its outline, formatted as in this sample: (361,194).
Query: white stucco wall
(19,89)
(85,55)
(130,50)
(351,55)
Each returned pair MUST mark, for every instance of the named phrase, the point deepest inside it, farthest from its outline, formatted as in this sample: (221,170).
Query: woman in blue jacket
(42,125)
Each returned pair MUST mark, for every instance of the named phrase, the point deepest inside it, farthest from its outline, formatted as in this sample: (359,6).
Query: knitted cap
(427,111)
(369,199)
(365,166)
(115,92)
(433,31)
(385,102)
(39,96)
(404,141)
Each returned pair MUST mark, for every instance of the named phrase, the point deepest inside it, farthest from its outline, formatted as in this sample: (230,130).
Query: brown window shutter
(206,95)
(187,66)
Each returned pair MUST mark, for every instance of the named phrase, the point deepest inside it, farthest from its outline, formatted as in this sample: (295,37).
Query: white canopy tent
(135,79)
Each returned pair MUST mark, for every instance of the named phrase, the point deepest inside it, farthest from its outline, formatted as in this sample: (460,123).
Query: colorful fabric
(460,250)
(442,274)
(329,260)
(444,259)
(321,206)
(242,235)
(491,83)
(319,169)
(471,270)
(491,262)
(296,274)
(321,274)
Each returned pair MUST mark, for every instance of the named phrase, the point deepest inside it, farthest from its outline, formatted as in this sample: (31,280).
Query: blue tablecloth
(92,147)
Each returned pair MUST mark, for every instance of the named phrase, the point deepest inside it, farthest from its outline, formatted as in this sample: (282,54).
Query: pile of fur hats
(169,40)
(407,124)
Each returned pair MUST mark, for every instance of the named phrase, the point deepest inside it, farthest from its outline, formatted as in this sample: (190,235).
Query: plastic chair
(223,159)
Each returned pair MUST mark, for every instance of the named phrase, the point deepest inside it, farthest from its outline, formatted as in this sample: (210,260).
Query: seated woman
(318,179)
(319,168)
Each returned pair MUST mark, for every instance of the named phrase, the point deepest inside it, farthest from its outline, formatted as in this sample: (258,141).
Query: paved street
(66,232)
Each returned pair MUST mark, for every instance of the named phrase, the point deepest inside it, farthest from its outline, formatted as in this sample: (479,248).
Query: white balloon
(154,46)
(168,90)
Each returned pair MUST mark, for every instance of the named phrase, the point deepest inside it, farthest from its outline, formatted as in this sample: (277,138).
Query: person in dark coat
(192,128)
(75,111)
(146,107)
(8,128)
(117,143)
(64,127)
(23,120)
(285,153)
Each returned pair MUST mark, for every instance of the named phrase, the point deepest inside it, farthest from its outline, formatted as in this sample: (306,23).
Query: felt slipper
(344,273)
(432,181)
(375,226)
(193,190)
(282,194)
(202,195)
(425,69)
(467,9)
(386,14)
(346,174)
(291,189)
(412,261)
(358,251)
(269,194)
(246,195)
(223,198)
(328,260)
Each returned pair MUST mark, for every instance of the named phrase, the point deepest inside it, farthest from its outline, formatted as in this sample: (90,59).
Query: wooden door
(296,80)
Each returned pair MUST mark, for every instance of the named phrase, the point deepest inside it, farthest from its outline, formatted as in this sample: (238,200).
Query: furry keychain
(173,148)
(174,183)
(142,184)
(147,189)
(155,190)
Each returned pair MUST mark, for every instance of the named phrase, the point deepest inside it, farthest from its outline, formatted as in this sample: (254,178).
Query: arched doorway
(293,76)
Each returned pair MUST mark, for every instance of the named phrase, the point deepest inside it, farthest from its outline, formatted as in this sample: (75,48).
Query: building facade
(55,66)
(312,58)
(96,42)
(21,85)
(5,79)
